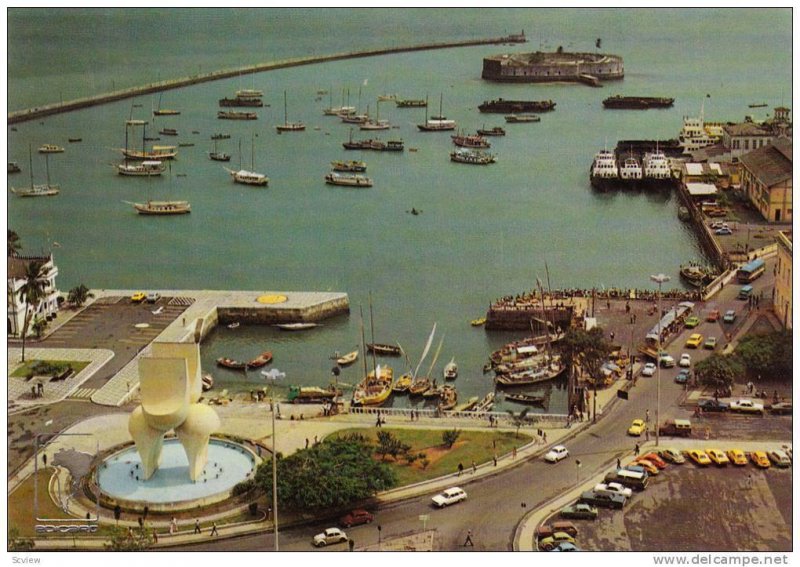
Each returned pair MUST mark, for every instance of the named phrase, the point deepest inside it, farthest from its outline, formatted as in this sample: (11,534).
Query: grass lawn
(23,370)
(20,504)
(470,446)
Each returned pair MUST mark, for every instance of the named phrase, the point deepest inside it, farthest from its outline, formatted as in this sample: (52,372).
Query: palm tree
(14,245)
(78,295)
(32,292)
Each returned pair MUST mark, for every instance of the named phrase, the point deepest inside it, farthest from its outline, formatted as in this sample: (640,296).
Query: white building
(48,306)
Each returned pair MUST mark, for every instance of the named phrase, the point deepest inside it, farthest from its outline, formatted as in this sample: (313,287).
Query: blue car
(682,377)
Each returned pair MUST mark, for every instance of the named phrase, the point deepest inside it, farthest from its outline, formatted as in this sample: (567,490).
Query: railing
(536,420)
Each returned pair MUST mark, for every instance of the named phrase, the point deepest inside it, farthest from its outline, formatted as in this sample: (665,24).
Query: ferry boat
(144,168)
(494,131)
(351,166)
(501,106)
(248,177)
(604,170)
(241,101)
(50,149)
(470,141)
(157,153)
(656,166)
(517,118)
(472,157)
(631,170)
(168,132)
(411,103)
(348,180)
(236,115)
(697,134)
(637,102)
(163,207)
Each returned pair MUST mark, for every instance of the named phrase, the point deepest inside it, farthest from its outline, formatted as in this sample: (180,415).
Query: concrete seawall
(57,108)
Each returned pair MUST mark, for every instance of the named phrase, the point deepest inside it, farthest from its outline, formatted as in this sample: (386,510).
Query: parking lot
(688,508)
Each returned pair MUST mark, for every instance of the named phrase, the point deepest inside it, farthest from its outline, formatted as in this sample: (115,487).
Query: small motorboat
(384,350)
(528,399)
(296,326)
(260,360)
(231,363)
(478,322)
(451,370)
(208,382)
(234,325)
(349,358)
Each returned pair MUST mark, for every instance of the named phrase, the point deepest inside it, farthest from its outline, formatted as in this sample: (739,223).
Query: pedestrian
(646,434)
(634,317)
(141,521)
(173,525)
(214,530)
(608,304)
(155,536)
(514,453)
(197,529)
(495,459)
(33,392)
(460,469)
(315,440)
(636,450)
(306,442)
(468,541)
(494,443)
(619,464)
(647,416)
(474,467)
(627,307)
(378,422)
(544,436)
(749,482)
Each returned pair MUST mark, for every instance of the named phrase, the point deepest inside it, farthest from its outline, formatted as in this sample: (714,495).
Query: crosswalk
(83,393)
(181,301)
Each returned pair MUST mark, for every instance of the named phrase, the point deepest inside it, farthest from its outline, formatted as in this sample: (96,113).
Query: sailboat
(46,190)
(218,156)
(437,123)
(289,126)
(157,152)
(376,387)
(338,110)
(422,386)
(162,207)
(164,111)
(248,177)
(376,124)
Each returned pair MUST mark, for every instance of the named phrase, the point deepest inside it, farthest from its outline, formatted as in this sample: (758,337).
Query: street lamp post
(273,375)
(659,279)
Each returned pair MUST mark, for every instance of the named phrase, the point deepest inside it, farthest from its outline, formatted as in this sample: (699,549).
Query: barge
(637,102)
(241,101)
(503,106)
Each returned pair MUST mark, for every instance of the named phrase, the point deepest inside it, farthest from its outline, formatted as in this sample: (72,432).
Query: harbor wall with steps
(519,319)
(18,116)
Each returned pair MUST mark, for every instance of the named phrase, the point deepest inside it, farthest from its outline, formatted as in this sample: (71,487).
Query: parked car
(651,469)
(747,406)
(685,361)
(546,530)
(682,376)
(637,467)
(579,511)
(450,496)
(717,457)
(637,427)
(711,343)
(712,405)
(356,518)
(779,458)
(713,316)
(138,297)
(556,454)
(737,457)
(613,488)
(649,369)
(656,459)
(566,546)
(729,317)
(552,541)
(718,224)
(692,322)
(666,360)
(603,499)
(330,536)
(781,408)
(676,427)
(629,479)
(760,459)
(724,231)
(153,296)
(699,457)
(694,340)
(673,456)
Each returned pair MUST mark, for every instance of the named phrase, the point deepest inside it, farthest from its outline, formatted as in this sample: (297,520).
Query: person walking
(495,459)
(173,525)
(474,467)
(636,450)
(214,531)
(197,529)
(514,453)
(468,541)
(460,469)
(619,464)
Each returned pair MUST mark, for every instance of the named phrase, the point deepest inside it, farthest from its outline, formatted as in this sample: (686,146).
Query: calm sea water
(484,231)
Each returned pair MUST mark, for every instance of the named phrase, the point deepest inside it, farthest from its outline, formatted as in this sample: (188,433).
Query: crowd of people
(534,299)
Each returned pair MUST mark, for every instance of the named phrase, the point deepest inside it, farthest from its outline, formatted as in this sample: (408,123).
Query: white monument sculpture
(171,385)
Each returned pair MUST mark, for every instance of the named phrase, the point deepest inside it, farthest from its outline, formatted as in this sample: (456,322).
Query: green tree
(450,436)
(587,351)
(718,371)
(39,325)
(766,354)
(388,444)
(17,542)
(14,244)
(333,473)
(519,419)
(32,292)
(137,539)
(78,295)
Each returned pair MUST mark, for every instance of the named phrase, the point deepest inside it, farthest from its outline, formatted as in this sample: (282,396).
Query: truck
(676,427)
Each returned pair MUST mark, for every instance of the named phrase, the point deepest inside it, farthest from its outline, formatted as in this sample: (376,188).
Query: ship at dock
(503,106)
(635,164)
(637,102)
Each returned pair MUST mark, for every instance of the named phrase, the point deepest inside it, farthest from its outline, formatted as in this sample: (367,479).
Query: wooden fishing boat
(528,399)
(494,131)
(231,363)
(349,358)
(419,387)
(449,398)
(375,389)
(486,403)
(532,376)
(384,349)
(260,360)
(208,382)
(469,405)
(403,384)
(451,370)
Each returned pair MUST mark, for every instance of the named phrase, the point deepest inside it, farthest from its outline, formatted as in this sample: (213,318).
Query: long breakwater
(68,106)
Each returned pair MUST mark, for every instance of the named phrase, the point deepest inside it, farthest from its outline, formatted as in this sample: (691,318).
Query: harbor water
(482,232)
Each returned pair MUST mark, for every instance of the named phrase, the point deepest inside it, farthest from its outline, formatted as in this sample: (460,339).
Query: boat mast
(372,332)
(30,163)
(47,168)
(285,115)
(240,154)
(363,344)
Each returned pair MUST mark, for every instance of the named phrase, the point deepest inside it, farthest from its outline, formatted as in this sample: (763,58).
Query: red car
(655,459)
(356,517)
(546,530)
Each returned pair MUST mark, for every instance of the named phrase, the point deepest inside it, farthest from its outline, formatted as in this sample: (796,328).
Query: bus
(750,271)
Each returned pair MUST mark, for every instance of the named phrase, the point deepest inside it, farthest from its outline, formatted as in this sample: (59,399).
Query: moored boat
(438,123)
(532,376)
(289,126)
(163,207)
(384,349)
(470,141)
(469,405)
(420,386)
(156,154)
(486,403)
(502,106)
(296,326)
(241,101)
(494,131)
(472,157)
(248,177)
(351,166)
(450,371)
(448,398)
(260,360)
(50,149)
(144,168)
(637,102)
(521,118)
(231,363)
(526,399)
(411,103)
(44,190)
(479,322)
(208,382)
(168,132)
(375,389)
(348,358)
(236,115)
(13,167)
(403,384)
(604,170)
(348,180)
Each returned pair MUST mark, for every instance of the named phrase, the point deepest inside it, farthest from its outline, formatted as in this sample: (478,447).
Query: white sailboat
(437,123)
(376,124)
(289,126)
(248,177)
(151,207)
(46,190)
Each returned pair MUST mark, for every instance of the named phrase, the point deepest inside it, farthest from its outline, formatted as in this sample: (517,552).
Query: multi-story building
(766,179)
(738,139)
(782,301)
(48,306)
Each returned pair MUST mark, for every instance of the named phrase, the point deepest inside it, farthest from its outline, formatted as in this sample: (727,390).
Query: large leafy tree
(586,350)
(333,473)
(14,244)
(32,292)
(78,295)
(718,371)
(767,355)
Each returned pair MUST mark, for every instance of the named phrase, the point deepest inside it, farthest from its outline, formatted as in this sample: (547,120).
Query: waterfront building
(738,139)
(782,300)
(766,178)
(48,306)
(691,172)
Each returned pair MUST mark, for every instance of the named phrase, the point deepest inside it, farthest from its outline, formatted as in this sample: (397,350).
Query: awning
(701,189)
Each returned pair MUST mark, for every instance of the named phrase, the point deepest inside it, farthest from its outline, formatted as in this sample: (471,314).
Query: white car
(747,406)
(649,369)
(450,496)
(556,454)
(666,360)
(685,361)
(329,536)
(153,296)
(613,488)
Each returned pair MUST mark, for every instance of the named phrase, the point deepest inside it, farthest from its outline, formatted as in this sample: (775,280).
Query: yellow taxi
(760,459)
(138,297)
(695,340)
(700,457)
(717,457)
(737,457)
(637,427)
